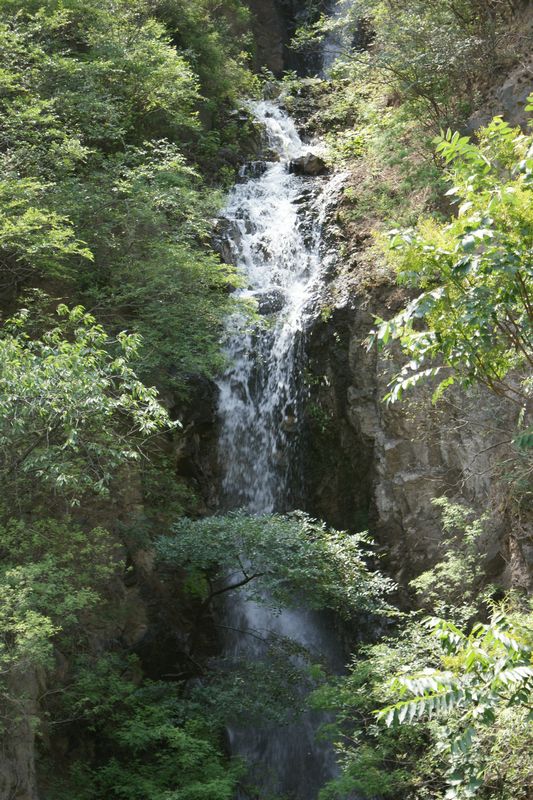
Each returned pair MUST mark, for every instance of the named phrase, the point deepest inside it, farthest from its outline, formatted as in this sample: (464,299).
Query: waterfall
(274,234)
(339,39)
(273,222)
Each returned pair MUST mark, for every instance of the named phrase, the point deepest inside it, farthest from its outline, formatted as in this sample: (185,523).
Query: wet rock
(224,232)
(304,198)
(229,155)
(270,302)
(254,169)
(271,90)
(310,164)
(271,155)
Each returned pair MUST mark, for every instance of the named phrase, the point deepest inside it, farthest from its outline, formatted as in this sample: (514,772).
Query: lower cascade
(274,222)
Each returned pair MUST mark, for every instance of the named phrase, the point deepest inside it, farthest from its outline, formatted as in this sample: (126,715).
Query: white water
(338,40)
(276,222)
(275,225)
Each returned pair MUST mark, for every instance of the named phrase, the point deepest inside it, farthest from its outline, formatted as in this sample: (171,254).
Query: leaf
(468,242)
(524,441)
(441,388)
(515,675)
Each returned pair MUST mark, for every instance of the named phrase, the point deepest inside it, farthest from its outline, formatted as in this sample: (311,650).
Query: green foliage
(489,669)
(269,691)
(278,559)
(436,55)
(164,283)
(216,37)
(150,745)
(33,238)
(449,698)
(415,67)
(474,272)
(52,575)
(72,414)
(116,123)
(399,179)
(320,417)
(71,411)
(376,761)
(435,52)
(101,103)
(452,588)
(117,120)
(460,731)
(393,175)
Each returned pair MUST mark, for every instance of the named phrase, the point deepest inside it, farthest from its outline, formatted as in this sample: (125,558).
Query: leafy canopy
(115,116)
(433,681)
(434,54)
(278,560)
(452,589)
(71,411)
(472,319)
(52,573)
(153,743)
(488,669)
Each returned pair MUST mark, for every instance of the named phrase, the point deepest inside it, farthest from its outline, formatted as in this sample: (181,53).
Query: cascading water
(274,223)
(275,239)
(274,232)
(339,39)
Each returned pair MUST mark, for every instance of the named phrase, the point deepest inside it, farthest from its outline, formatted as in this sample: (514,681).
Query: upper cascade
(280,129)
(338,40)
(274,223)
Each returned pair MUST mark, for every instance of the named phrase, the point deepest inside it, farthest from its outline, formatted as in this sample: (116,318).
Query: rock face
(270,302)
(274,22)
(17,753)
(378,467)
(508,99)
(509,95)
(270,35)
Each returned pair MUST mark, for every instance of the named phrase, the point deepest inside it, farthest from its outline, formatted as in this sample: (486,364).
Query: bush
(473,272)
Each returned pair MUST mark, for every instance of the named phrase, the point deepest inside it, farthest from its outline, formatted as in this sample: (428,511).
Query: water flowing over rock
(340,37)
(275,238)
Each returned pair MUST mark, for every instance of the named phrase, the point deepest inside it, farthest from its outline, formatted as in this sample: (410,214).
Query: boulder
(310,164)
(224,232)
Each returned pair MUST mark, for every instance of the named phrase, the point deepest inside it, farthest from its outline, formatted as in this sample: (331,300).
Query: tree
(490,669)
(471,320)
(453,588)
(276,560)
(71,411)
(106,160)
(152,743)
(434,54)
(51,573)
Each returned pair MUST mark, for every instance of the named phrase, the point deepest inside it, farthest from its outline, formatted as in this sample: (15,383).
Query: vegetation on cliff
(449,216)
(118,129)
(475,272)
(442,708)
